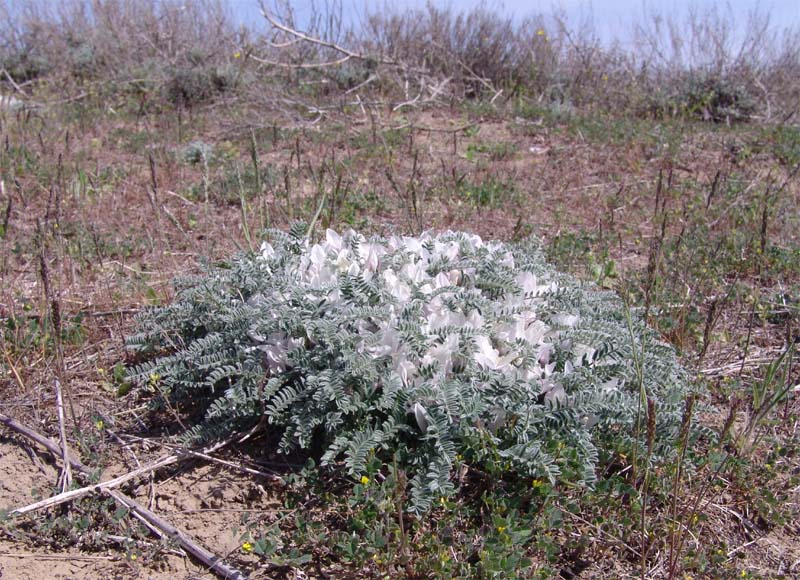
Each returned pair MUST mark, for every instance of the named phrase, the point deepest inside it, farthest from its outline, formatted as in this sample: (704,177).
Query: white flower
(421,415)
(582,354)
(489,357)
(275,349)
(565,319)
(267,251)
(407,371)
(527,282)
(610,386)
(342,262)
(333,240)
(370,255)
(554,394)
(396,288)
(442,354)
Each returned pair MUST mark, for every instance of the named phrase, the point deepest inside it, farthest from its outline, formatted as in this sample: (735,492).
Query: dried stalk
(65,481)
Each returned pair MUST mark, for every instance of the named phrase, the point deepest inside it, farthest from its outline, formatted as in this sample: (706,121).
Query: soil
(205,501)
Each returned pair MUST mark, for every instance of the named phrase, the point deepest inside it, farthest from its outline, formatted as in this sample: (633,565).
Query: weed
(193,85)
(490,192)
(784,141)
(768,392)
(494,151)
(30,332)
(570,250)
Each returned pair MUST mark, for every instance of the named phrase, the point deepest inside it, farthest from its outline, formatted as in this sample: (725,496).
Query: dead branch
(111,483)
(348,54)
(305,65)
(472,74)
(14,84)
(200,455)
(211,560)
(103,486)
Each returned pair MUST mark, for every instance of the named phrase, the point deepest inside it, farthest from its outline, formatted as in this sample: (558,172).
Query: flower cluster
(439,272)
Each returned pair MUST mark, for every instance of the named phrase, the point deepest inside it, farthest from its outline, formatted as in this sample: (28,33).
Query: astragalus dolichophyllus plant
(424,352)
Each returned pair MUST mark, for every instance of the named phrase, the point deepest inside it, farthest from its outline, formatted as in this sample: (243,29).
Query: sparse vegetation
(149,141)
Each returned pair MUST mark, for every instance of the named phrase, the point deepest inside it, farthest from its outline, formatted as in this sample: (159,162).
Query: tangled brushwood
(424,352)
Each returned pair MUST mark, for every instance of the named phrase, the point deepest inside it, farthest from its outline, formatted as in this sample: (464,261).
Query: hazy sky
(611,18)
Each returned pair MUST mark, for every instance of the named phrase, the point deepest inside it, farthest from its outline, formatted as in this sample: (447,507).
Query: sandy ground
(205,501)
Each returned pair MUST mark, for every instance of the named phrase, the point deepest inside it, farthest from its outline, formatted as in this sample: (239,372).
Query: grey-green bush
(429,352)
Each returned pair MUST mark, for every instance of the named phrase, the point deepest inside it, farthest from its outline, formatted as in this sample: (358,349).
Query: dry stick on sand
(102,486)
(212,561)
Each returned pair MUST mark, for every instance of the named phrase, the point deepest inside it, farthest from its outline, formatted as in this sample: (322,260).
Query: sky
(611,18)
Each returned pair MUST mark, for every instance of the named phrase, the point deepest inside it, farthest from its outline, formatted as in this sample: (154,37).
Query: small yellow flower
(237,54)
(501,529)
(537,483)
(99,424)
(133,557)
(442,500)
(247,547)
(540,32)
(364,480)
(743,574)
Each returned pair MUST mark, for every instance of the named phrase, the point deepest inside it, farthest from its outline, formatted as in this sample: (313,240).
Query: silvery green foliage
(432,350)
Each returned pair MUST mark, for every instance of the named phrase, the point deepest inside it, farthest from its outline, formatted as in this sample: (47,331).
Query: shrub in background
(188,48)
(25,64)
(429,352)
(717,99)
(192,85)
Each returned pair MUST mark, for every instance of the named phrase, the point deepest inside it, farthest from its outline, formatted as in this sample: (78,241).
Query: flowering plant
(432,351)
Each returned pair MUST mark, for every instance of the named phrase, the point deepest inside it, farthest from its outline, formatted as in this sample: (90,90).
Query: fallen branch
(210,559)
(14,84)
(276,63)
(89,489)
(213,562)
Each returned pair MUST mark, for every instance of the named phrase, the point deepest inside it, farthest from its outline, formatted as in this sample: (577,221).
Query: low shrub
(703,97)
(25,64)
(427,352)
(717,99)
(193,85)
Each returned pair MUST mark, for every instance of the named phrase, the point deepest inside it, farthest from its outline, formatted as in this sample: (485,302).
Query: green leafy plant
(773,388)
(431,351)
